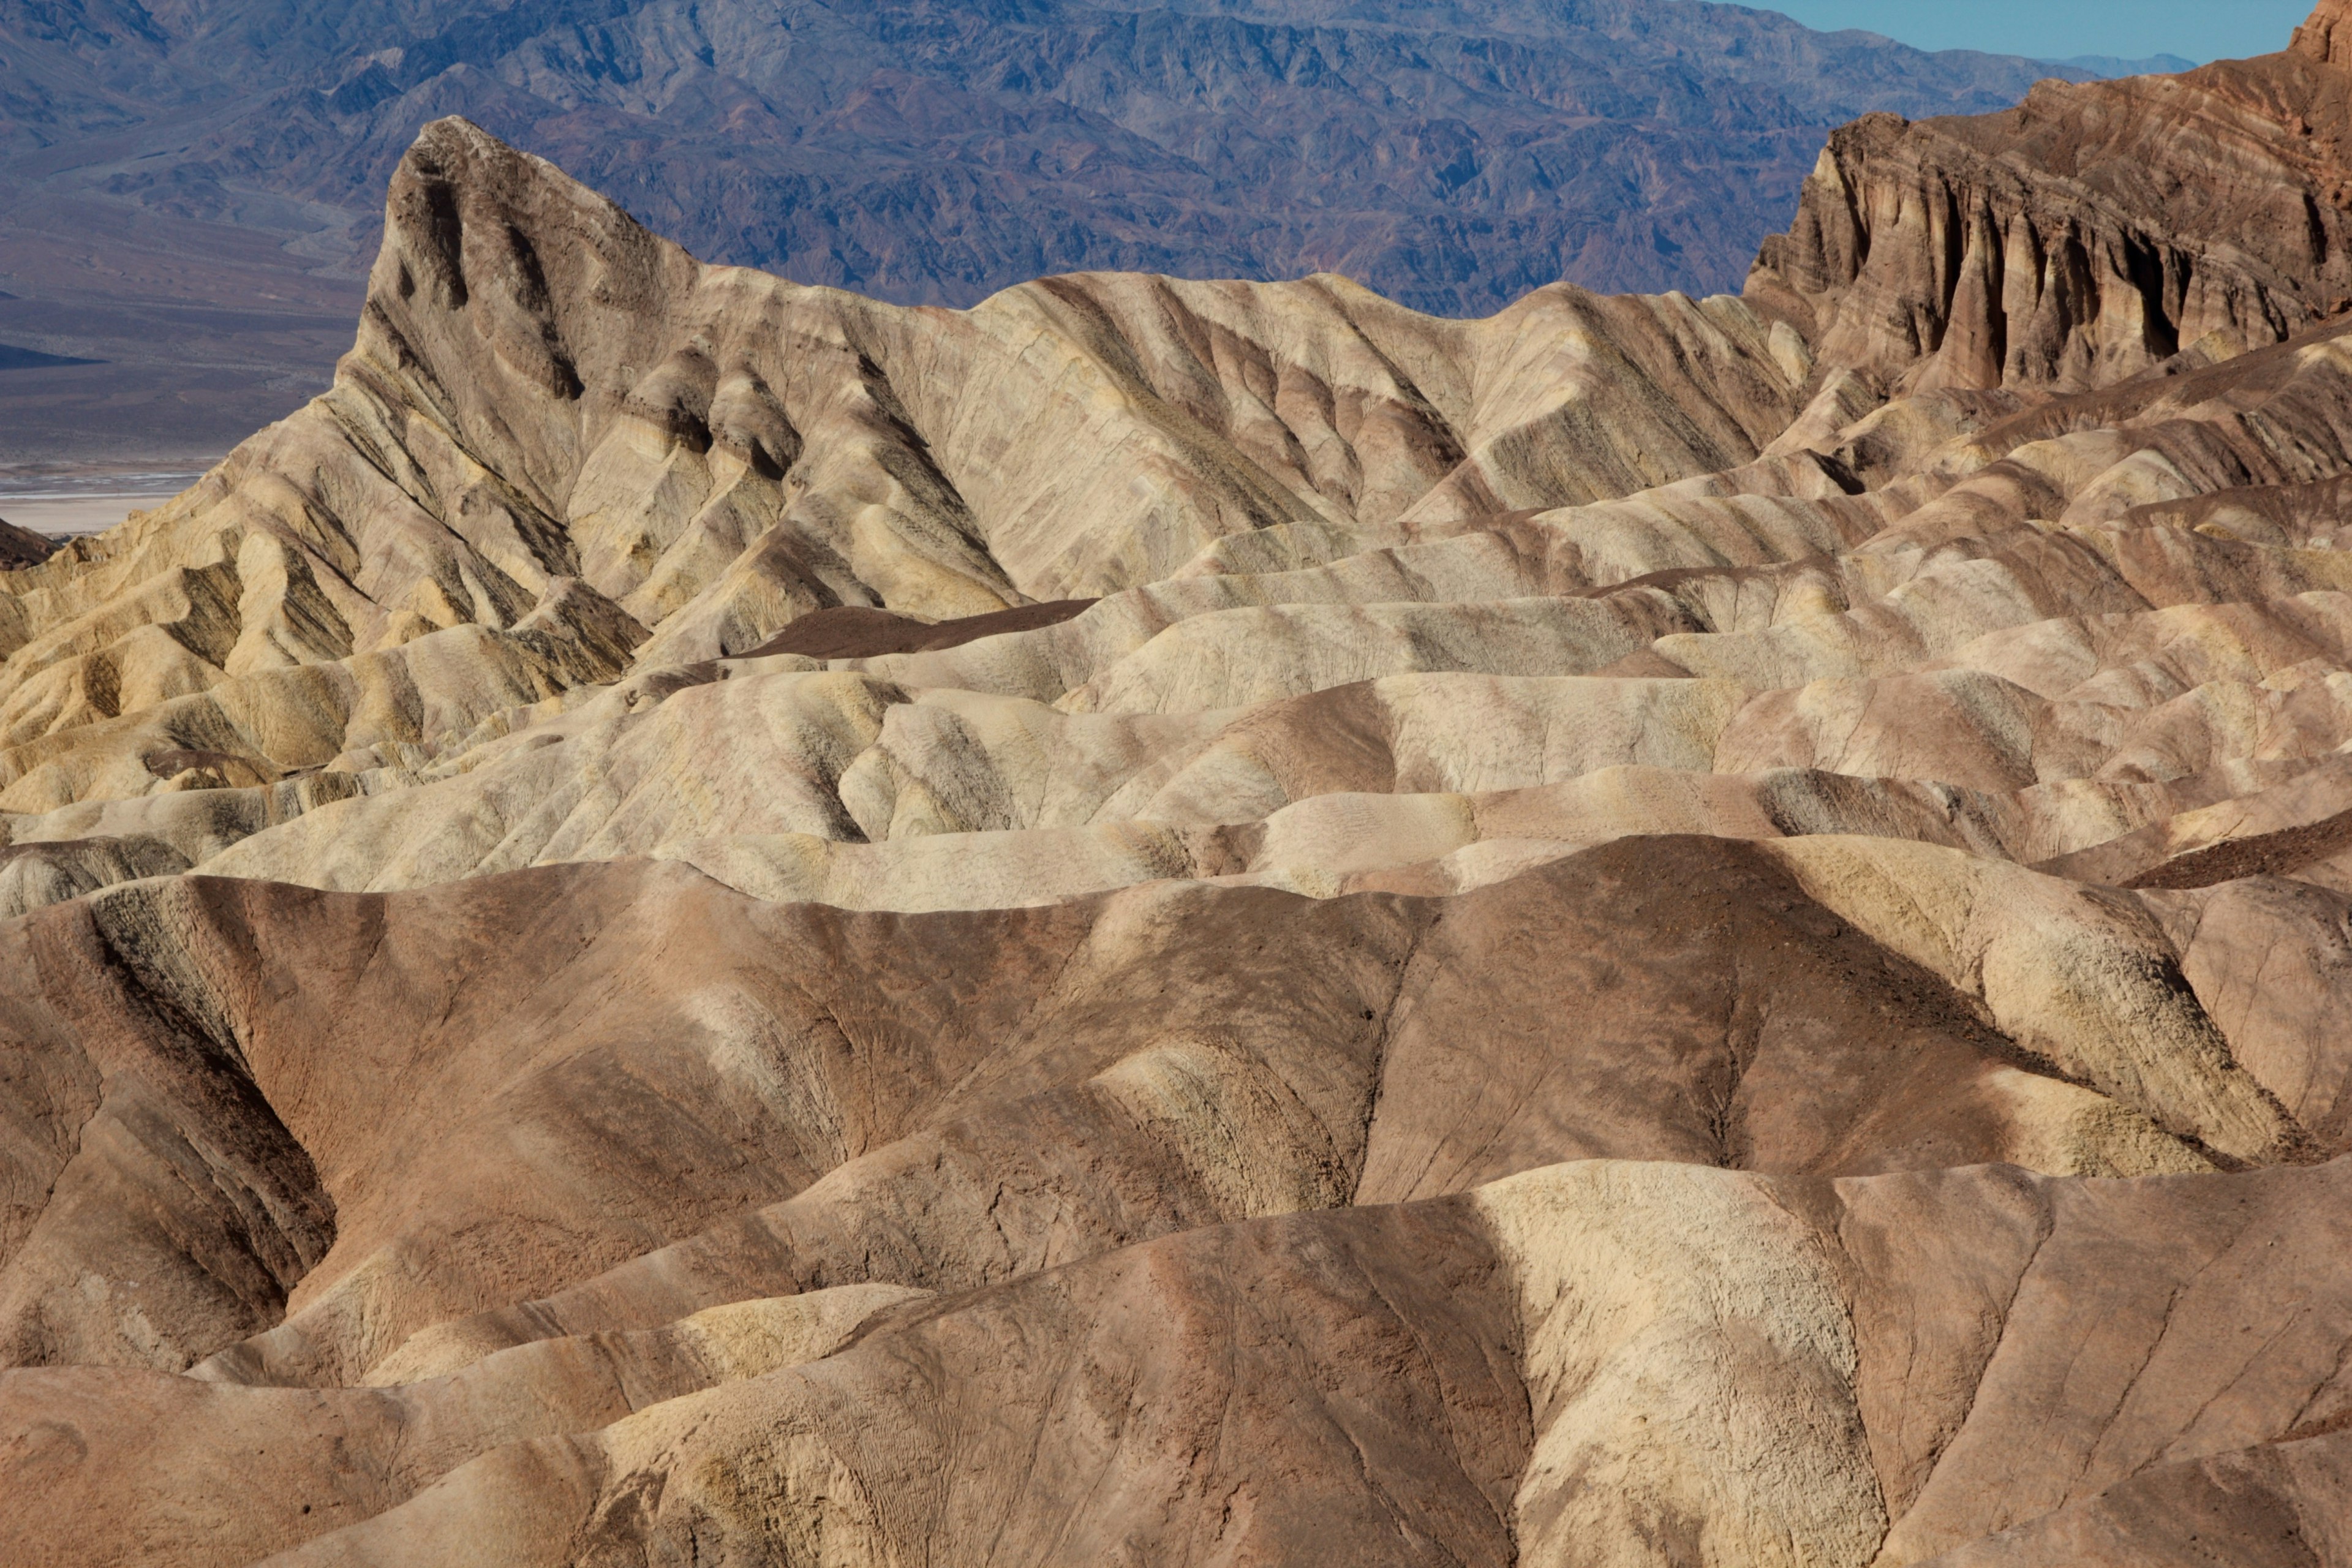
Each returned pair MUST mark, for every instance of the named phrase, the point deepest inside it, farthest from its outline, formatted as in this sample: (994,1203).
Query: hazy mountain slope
(193,189)
(940,151)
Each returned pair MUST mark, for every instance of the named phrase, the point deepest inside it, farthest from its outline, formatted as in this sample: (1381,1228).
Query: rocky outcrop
(702,920)
(561,445)
(2094,232)
(23,547)
(2328,36)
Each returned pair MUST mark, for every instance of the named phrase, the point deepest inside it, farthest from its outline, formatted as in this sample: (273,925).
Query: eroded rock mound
(702,920)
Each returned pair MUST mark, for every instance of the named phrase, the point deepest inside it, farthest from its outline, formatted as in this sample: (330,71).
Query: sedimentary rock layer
(2091,233)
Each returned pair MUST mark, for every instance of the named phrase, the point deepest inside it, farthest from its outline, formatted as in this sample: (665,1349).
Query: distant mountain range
(1452,156)
(2110,66)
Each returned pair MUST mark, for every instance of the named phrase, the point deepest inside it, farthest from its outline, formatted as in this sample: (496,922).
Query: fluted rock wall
(2091,233)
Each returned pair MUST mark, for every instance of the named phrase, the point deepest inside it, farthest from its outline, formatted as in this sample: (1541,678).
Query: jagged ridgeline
(701,921)
(1453,154)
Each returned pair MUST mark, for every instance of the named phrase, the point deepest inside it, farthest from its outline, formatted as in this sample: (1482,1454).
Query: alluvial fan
(701,921)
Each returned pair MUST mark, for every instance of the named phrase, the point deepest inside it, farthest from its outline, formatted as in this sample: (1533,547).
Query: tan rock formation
(2328,37)
(700,920)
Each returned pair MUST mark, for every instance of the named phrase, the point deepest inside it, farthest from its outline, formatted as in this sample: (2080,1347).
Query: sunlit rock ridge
(698,920)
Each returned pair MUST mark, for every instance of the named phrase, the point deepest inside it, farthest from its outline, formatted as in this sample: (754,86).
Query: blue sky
(2058,29)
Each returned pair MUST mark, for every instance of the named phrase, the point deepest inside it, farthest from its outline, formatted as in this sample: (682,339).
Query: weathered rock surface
(703,920)
(23,547)
(2093,231)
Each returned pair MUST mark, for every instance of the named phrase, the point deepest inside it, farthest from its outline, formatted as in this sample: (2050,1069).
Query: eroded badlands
(700,921)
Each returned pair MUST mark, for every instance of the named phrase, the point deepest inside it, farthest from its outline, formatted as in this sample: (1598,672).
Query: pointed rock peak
(457,152)
(455,171)
(2328,37)
(491,254)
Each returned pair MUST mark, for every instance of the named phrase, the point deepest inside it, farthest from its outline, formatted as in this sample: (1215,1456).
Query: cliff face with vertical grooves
(702,920)
(2091,233)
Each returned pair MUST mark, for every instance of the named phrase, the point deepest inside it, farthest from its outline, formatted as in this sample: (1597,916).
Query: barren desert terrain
(700,919)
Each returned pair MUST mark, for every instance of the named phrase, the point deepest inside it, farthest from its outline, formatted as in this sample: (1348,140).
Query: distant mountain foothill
(195,190)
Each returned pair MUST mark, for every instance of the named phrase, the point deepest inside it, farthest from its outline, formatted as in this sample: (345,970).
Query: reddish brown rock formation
(2091,233)
(848,631)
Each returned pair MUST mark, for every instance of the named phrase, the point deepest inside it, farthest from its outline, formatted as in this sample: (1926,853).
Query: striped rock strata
(697,919)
